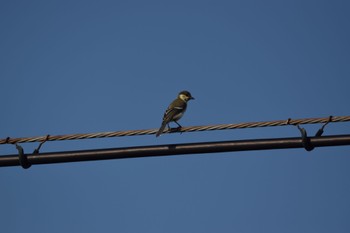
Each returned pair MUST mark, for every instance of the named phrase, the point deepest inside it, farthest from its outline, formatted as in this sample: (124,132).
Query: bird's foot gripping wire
(174,130)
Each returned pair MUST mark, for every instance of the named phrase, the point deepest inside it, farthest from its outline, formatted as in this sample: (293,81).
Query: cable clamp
(36,151)
(321,130)
(288,121)
(305,139)
(23,160)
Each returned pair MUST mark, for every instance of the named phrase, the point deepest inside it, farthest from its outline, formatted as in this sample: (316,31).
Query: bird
(175,110)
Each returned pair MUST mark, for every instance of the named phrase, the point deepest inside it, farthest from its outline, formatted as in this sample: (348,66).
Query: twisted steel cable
(289,121)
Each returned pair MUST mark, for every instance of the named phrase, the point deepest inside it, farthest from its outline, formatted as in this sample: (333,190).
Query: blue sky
(95,66)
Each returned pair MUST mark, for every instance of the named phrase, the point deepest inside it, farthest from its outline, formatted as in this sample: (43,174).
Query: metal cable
(183,129)
(26,160)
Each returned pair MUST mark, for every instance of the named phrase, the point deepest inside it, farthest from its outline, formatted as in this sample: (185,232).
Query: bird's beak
(192,98)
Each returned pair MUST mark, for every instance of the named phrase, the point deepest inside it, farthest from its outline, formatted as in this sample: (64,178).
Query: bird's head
(185,96)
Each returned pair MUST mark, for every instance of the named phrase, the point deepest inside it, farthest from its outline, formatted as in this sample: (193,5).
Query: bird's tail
(161,129)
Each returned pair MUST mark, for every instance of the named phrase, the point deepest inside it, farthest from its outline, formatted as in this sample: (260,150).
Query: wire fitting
(305,139)
(23,160)
(36,151)
(321,130)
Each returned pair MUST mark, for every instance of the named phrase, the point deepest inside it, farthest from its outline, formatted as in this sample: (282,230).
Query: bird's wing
(168,116)
(175,108)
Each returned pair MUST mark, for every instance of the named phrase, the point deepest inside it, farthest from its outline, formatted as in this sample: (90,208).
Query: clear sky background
(94,66)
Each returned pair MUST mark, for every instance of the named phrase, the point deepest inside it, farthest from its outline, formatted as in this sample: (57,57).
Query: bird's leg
(178,124)
(172,130)
(178,128)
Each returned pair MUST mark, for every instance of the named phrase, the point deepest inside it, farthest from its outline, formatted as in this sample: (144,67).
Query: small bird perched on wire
(175,110)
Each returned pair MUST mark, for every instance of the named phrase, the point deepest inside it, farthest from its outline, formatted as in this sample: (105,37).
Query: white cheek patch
(183,97)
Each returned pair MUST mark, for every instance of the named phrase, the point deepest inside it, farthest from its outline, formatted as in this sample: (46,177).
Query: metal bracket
(23,160)
(305,139)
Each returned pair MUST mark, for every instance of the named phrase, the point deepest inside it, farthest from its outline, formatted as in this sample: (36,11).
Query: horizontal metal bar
(174,149)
